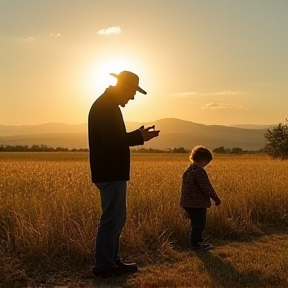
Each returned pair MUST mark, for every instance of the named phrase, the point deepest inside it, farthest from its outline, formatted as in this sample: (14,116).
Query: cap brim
(141,90)
(113,74)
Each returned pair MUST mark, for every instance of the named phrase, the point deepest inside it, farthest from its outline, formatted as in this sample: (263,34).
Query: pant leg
(112,221)
(197,217)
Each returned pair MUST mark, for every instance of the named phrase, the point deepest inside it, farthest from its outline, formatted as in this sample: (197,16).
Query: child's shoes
(202,246)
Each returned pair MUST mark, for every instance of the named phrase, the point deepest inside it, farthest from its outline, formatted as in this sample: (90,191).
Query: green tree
(277,141)
(180,150)
(237,150)
(220,150)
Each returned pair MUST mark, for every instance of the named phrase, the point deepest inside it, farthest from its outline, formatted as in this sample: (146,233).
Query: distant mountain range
(252,126)
(174,133)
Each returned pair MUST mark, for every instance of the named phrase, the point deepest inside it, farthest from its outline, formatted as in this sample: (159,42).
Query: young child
(196,192)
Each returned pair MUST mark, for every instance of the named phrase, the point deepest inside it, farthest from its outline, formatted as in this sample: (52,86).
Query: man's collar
(110,91)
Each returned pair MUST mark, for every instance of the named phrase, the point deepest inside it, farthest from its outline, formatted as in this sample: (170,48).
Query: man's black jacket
(108,141)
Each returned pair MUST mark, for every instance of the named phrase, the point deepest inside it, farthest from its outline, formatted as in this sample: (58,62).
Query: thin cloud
(37,38)
(29,39)
(20,39)
(215,105)
(109,31)
(220,93)
(55,34)
(24,39)
(185,94)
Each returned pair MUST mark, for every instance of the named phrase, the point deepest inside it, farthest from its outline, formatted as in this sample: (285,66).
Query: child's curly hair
(199,153)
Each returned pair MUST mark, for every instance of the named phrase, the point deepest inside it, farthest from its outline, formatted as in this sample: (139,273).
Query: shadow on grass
(183,244)
(224,274)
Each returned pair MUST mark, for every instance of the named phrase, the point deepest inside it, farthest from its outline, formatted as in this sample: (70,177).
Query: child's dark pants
(197,217)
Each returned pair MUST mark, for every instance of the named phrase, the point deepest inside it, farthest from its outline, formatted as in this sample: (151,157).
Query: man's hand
(218,202)
(146,134)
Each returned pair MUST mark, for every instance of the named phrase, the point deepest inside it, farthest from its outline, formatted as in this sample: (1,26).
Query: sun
(100,74)
(96,74)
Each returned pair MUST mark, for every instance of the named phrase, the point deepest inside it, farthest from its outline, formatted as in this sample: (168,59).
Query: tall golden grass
(49,209)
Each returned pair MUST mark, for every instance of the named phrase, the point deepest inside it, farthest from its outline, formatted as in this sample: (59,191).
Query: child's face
(202,163)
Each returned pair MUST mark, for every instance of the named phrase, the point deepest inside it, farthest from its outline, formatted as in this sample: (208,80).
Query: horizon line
(140,122)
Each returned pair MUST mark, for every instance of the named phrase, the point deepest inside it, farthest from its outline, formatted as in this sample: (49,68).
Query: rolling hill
(174,133)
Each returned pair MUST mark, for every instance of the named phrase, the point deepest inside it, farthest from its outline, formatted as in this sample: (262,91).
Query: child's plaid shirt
(196,189)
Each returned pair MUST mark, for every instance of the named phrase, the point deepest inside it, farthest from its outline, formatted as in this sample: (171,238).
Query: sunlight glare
(101,77)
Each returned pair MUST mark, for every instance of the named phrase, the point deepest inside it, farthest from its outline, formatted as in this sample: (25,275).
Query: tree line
(182,150)
(38,148)
(45,148)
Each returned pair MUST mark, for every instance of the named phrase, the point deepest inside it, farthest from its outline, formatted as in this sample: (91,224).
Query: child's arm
(206,187)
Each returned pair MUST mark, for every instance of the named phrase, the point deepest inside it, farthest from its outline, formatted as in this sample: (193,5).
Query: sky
(206,61)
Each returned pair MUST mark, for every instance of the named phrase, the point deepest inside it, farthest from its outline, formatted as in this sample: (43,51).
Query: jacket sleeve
(134,138)
(204,184)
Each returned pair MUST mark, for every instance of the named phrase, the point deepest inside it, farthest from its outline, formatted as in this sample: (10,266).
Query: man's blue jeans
(112,221)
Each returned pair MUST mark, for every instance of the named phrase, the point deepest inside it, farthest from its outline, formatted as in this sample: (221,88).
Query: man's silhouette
(110,168)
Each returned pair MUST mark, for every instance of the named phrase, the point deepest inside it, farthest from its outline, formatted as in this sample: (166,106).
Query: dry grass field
(49,211)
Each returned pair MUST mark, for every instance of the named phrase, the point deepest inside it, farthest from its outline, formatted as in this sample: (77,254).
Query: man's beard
(124,103)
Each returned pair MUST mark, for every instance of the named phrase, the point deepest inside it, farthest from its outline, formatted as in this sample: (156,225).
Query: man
(110,168)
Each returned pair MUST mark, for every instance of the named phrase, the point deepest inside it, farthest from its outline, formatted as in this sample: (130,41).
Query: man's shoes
(107,272)
(202,246)
(126,267)
(122,268)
